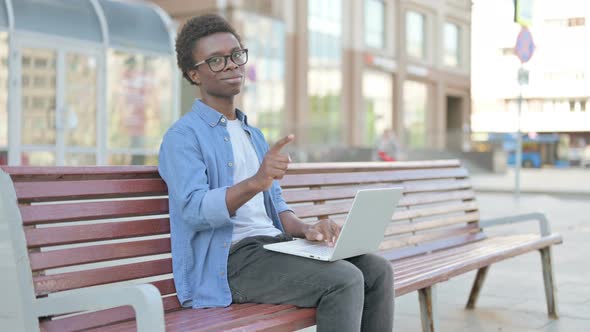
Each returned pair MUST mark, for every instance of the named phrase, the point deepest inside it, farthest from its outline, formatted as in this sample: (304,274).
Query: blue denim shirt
(196,161)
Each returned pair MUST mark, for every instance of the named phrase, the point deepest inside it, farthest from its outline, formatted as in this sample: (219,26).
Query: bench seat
(101,229)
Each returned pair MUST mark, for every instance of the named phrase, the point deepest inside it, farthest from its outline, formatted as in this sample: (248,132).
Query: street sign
(523,76)
(524,45)
(523,12)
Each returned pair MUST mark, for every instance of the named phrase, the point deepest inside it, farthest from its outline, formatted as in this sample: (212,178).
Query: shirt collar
(213,117)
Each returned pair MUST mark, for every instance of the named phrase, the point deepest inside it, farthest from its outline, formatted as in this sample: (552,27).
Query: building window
(378,105)
(375,23)
(324,79)
(415,103)
(264,97)
(452,45)
(416,34)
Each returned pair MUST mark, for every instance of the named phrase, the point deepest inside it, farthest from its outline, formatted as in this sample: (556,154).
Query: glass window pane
(375,23)
(80,115)
(80,159)
(264,94)
(452,39)
(139,100)
(415,103)
(325,75)
(64,18)
(132,159)
(415,34)
(38,100)
(378,105)
(3,98)
(38,158)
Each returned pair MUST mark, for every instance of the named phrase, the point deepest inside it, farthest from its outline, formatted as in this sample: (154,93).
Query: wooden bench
(77,229)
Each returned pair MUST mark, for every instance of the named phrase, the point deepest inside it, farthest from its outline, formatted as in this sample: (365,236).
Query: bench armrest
(544,228)
(145,300)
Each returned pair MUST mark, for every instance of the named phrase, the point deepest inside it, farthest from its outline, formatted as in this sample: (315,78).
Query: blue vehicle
(537,149)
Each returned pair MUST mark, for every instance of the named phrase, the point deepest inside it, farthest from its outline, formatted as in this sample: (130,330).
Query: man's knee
(347,276)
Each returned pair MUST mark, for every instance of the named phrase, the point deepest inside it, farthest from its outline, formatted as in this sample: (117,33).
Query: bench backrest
(89,226)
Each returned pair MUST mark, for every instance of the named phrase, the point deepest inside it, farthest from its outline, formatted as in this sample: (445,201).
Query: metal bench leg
(477,283)
(428,309)
(549,279)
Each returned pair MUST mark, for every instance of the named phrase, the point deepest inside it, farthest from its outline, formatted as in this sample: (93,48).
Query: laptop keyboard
(315,249)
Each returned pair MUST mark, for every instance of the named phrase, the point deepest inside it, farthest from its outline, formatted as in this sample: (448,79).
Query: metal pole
(518,161)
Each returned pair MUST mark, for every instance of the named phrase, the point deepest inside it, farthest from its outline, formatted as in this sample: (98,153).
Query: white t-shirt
(251,218)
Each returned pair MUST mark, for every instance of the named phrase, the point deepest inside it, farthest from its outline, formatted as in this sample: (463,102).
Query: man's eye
(215,60)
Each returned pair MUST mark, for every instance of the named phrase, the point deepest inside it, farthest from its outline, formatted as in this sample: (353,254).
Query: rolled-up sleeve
(182,167)
(277,197)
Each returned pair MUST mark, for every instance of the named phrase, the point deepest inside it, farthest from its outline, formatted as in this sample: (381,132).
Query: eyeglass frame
(207,61)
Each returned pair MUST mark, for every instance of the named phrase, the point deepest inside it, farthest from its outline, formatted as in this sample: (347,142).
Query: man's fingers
(276,148)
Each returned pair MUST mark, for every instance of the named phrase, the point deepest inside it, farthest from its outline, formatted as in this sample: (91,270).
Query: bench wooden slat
(434,210)
(51,236)
(27,173)
(435,185)
(451,242)
(306,195)
(291,321)
(402,241)
(52,213)
(306,211)
(423,264)
(306,180)
(97,253)
(60,190)
(100,318)
(104,275)
(394,229)
(222,321)
(434,197)
(410,284)
(339,167)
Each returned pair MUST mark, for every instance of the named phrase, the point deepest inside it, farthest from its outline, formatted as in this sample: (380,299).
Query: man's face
(225,83)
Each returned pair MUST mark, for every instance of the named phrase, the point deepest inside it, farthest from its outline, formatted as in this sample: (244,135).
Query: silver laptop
(362,232)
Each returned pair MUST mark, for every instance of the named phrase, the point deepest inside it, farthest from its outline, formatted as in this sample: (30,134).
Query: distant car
(585,160)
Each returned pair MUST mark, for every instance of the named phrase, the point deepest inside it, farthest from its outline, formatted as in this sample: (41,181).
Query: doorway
(56,115)
(454,123)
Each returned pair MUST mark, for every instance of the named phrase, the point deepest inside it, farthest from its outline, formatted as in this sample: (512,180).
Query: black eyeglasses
(217,63)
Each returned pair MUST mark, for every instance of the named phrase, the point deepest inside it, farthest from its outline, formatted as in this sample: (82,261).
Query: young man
(225,204)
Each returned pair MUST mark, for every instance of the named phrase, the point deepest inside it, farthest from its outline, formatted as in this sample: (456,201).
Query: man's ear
(194,75)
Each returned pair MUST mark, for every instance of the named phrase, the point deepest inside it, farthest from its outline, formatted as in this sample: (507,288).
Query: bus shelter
(85,82)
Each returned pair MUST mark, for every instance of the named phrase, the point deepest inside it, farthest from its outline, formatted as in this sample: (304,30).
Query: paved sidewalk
(513,297)
(571,182)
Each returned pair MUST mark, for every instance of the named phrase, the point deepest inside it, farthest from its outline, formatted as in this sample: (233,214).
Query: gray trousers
(355,294)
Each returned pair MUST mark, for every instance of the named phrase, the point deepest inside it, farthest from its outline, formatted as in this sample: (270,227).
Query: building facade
(556,99)
(338,73)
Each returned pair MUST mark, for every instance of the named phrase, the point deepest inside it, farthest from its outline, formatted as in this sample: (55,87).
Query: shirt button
(222,119)
(230,164)
(225,244)
(222,273)
(226,138)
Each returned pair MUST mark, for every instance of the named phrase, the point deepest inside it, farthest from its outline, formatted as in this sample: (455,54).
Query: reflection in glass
(452,35)
(375,23)
(80,159)
(324,79)
(38,117)
(38,158)
(139,101)
(130,159)
(415,34)
(264,92)
(378,104)
(3,98)
(80,113)
(415,103)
